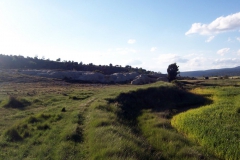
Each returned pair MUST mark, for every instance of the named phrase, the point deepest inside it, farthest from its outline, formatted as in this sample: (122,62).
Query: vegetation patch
(12,135)
(148,112)
(76,135)
(214,126)
(119,122)
(14,102)
(30,125)
(80,96)
(159,99)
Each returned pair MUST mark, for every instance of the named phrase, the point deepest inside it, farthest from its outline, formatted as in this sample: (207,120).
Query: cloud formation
(153,49)
(238,52)
(210,39)
(195,61)
(134,62)
(219,25)
(223,51)
(227,62)
(131,41)
(171,58)
(238,38)
(125,50)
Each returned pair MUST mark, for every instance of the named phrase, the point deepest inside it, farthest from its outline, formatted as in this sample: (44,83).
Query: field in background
(48,119)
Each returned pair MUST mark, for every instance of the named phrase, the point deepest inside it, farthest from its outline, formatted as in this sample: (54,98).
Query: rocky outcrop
(83,76)
(145,79)
(92,77)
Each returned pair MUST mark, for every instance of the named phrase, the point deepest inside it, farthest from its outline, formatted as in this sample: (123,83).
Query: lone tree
(172,72)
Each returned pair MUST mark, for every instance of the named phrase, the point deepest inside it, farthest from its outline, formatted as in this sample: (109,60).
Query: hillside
(213,72)
(20,62)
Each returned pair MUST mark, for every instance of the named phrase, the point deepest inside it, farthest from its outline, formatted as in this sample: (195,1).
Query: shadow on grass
(16,103)
(171,100)
(165,100)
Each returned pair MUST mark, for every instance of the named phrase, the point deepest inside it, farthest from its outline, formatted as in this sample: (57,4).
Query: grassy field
(49,119)
(215,126)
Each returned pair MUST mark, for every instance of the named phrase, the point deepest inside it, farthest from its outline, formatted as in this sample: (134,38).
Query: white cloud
(153,49)
(197,63)
(229,39)
(125,50)
(210,39)
(194,62)
(134,62)
(190,62)
(221,24)
(171,58)
(226,62)
(238,52)
(238,38)
(223,51)
(131,41)
(205,63)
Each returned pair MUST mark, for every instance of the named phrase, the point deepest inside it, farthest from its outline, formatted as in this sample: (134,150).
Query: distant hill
(213,72)
(20,62)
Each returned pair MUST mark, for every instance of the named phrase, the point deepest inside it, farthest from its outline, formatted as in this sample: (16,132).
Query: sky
(197,34)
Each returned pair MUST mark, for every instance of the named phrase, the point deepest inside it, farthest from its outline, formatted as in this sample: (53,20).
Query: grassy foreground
(57,120)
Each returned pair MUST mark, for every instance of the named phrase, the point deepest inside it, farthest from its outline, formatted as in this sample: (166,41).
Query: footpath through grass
(215,126)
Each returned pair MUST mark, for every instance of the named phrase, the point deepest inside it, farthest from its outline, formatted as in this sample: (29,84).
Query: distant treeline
(20,62)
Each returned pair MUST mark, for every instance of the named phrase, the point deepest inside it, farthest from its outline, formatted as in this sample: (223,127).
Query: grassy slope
(214,126)
(100,122)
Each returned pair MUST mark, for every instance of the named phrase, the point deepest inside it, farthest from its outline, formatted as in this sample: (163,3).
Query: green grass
(58,120)
(214,126)
(14,102)
(148,112)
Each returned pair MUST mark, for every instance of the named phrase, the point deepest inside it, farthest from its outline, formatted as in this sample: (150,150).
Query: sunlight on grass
(214,126)
(83,121)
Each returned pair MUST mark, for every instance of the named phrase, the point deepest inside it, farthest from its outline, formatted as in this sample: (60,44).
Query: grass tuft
(43,126)
(76,136)
(238,110)
(12,135)
(32,119)
(17,103)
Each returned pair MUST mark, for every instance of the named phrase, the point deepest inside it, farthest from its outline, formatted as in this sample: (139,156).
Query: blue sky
(197,35)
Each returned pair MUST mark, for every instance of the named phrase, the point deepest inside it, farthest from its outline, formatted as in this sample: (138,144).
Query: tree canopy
(173,71)
(20,62)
